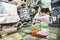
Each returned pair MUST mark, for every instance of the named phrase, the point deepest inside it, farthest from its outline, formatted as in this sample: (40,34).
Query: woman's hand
(39,10)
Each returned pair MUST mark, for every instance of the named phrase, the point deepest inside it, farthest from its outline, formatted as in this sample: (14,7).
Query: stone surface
(24,32)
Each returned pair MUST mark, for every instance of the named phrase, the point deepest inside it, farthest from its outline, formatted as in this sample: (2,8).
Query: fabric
(43,19)
(24,15)
(40,27)
(44,31)
(43,25)
(9,14)
(2,10)
(34,33)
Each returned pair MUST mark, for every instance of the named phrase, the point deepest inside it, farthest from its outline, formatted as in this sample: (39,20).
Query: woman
(43,27)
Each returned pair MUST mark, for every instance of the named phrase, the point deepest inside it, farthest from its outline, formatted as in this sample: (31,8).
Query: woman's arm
(40,17)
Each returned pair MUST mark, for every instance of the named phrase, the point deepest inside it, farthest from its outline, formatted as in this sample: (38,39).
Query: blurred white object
(44,20)
(44,31)
(10,16)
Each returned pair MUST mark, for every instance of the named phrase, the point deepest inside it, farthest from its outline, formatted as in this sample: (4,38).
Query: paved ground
(24,33)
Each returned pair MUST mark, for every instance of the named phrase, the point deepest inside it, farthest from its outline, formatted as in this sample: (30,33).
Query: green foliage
(43,4)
